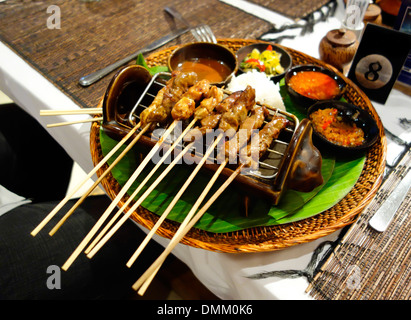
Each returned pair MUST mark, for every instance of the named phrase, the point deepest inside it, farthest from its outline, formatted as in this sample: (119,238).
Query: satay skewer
(117,199)
(235,116)
(97,182)
(141,185)
(181,111)
(71,112)
(251,123)
(60,124)
(158,111)
(91,173)
(267,134)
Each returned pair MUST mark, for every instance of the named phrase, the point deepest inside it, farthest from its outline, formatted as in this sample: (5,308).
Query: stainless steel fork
(201,33)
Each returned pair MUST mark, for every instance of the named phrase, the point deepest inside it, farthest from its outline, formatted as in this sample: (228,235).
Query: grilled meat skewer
(253,122)
(185,107)
(160,109)
(261,142)
(231,120)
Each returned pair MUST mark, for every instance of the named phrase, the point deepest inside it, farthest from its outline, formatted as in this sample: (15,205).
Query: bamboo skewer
(172,204)
(138,203)
(143,197)
(114,203)
(59,124)
(96,183)
(187,224)
(90,251)
(142,184)
(190,221)
(71,112)
(91,173)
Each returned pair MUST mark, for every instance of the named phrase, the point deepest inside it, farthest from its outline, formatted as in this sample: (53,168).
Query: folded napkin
(274,18)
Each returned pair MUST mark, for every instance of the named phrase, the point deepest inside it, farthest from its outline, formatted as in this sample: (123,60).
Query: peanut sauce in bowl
(210,61)
(212,70)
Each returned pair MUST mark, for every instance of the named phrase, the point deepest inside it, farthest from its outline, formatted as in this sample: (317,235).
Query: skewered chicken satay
(259,144)
(160,109)
(211,100)
(182,82)
(232,119)
(254,121)
(210,122)
(146,116)
(185,107)
(227,103)
(270,132)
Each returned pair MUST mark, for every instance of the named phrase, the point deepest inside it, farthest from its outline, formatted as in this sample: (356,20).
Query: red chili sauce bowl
(308,84)
(342,126)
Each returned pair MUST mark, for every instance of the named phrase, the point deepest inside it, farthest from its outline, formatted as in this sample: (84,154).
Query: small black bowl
(349,113)
(285,60)
(305,101)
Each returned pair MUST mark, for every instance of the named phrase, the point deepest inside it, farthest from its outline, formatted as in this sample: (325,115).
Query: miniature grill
(271,177)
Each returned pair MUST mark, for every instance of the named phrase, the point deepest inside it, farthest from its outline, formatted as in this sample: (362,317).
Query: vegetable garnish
(267,61)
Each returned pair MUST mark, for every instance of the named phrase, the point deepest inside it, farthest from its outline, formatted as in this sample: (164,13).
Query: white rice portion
(266,91)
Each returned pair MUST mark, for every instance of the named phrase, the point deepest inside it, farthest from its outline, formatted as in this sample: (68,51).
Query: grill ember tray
(291,162)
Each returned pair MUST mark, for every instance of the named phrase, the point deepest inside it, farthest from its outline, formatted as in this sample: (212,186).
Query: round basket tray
(259,239)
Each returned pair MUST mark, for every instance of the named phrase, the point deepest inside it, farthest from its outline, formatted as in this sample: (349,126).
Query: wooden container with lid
(373,14)
(338,47)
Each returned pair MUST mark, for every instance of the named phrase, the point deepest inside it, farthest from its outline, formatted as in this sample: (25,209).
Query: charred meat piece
(199,90)
(185,107)
(232,119)
(211,121)
(241,138)
(259,144)
(211,100)
(184,80)
(160,109)
(227,103)
(148,115)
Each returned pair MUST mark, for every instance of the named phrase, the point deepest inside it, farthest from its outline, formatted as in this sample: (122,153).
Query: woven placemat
(366,264)
(92,35)
(295,9)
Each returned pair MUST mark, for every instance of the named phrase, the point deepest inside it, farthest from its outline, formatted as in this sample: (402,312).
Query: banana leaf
(227,212)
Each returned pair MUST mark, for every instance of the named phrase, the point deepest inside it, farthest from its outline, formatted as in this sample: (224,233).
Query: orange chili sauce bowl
(305,101)
(213,61)
(349,113)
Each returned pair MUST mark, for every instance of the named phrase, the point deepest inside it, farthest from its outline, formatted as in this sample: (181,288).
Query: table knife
(95,76)
(383,216)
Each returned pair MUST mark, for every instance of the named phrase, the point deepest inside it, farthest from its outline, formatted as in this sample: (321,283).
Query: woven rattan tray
(271,238)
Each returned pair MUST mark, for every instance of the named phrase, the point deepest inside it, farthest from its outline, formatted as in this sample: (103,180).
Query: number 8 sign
(378,60)
(373,71)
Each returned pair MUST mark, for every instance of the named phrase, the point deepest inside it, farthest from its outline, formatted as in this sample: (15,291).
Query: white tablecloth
(226,275)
